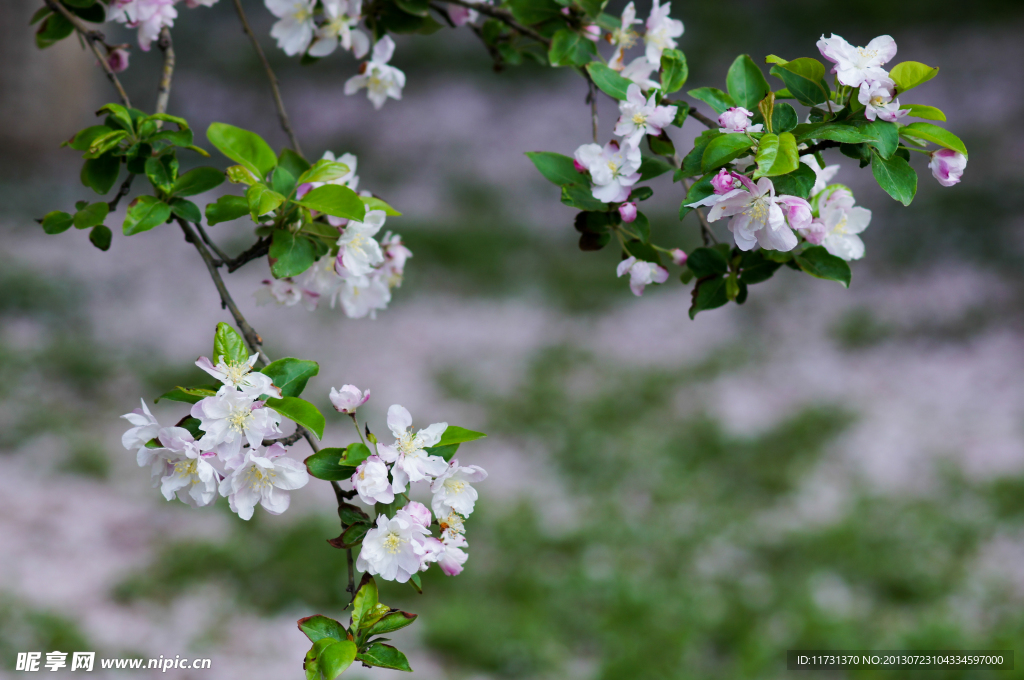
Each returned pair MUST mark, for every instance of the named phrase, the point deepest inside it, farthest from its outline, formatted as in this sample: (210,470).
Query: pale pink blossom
(239,376)
(294,28)
(393,548)
(878,98)
(797,211)
(348,398)
(947,166)
(380,79)
(613,170)
(419,513)
(144,428)
(411,462)
(724,182)
(453,557)
(371,482)
(641,274)
(678,257)
(229,418)
(737,119)
(189,475)
(627,211)
(452,489)
(264,477)
(623,37)
(639,71)
(117,59)
(662,30)
(756,216)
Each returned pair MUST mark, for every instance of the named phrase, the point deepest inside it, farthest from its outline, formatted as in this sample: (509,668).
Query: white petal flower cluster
(148,16)
(861,67)
(229,457)
(381,79)
(400,546)
(837,221)
(362,273)
(757,215)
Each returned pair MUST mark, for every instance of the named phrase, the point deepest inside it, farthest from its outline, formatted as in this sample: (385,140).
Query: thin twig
(281,113)
(163,91)
(694,113)
(92,37)
(121,193)
(213,246)
(257,250)
(503,16)
(705,229)
(592,98)
(252,338)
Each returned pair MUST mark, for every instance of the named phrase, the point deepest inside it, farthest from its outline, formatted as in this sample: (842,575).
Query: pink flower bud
(579,167)
(591,32)
(302,190)
(628,211)
(797,211)
(723,182)
(736,119)
(117,59)
(419,513)
(678,257)
(947,166)
(815,232)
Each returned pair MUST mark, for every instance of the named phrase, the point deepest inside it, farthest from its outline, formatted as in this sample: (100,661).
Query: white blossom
(363,295)
(453,556)
(452,490)
(371,482)
(148,16)
(947,166)
(879,100)
(640,116)
(613,170)
(228,418)
(393,548)
(662,30)
(854,65)
(294,30)
(360,253)
(348,398)
(265,476)
(286,292)
(144,428)
(452,524)
(190,476)
(624,36)
(340,27)
(639,71)
(240,377)
(756,216)
(411,462)
(641,274)
(839,223)
(380,79)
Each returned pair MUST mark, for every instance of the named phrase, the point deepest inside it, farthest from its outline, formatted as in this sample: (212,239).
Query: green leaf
(374,203)
(335,200)
(144,213)
(83,139)
(384,656)
(705,262)
(713,97)
(531,12)
(355,454)
(364,604)
(319,627)
(391,622)
(700,190)
(652,166)
(593,8)
(674,71)
(239,174)
(290,375)
(91,215)
(311,663)
(895,176)
(776,155)
(158,174)
(804,79)
(327,464)
(335,658)
(746,83)
(118,114)
(262,200)
(101,173)
(569,48)
(755,268)
(229,346)
(39,15)
(448,451)
(189,395)
(642,226)
(926,112)
(459,435)
(100,236)
(415,582)
(797,183)
(197,181)
(608,80)
(168,118)
(724,149)
(244,147)
(692,161)
(419,8)
(819,263)
(290,254)
(555,167)
(784,118)
(909,74)
(56,222)
(283,182)
(580,196)
(323,171)
(933,133)
(104,143)
(295,164)
(883,136)
(301,411)
(186,210)
(54,29)
(226,208)
(708,294)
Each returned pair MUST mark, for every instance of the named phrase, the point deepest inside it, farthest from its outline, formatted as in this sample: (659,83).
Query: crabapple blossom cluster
(229,456)
(148,16)
(400,546)
(362,273)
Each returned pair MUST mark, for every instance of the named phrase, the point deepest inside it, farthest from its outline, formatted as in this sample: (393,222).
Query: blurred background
(820,468)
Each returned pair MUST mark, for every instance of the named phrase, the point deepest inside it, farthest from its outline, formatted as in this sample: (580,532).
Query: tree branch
(163,91)
(706,234)
(252,338)
(694,113)
(820,146)
(92,37)
(121,193)
(257,250)
(278,102)
(504,17)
